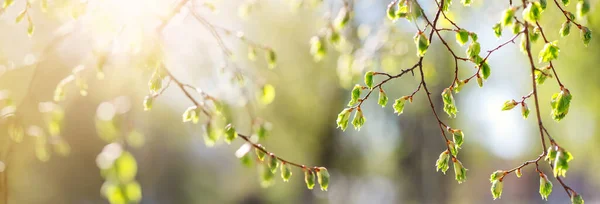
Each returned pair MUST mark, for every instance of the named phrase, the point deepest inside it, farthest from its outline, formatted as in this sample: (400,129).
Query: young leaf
(524,110)
(446,4)
(391,10)
(343,118)
(148,100)
(273,163)
(267,176)
(508,105)
(448,100)
(155,83)
(533,36)
(267,94)
(576,199)
(543,4)
(566,2)
(190,114)
(422,44)
(545,186)
(286,171)
(479,81)
(21,16)
(533,12)
(549,52)
(466,2)
(496,175)
(460,172)
(496,189)
(271,58)
(383,99)
(342,18)
(516,28)
(508,17)
(399,105)
(561,162)
(486,70)
(458,137)
(443,162)
(317,48)
(497,30)
(560,104)
(462,36)
(355,95)
(369,79)
(518,172)
(260,154)
(586,35)
(583,7)
(309,178)
(230,133)
(359,119)
(565,29)
(473,50)
(322,177)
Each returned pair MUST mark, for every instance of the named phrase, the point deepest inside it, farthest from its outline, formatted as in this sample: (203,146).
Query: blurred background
(391,160)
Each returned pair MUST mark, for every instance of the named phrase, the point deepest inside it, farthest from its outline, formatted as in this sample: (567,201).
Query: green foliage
(486,70)
(566,2)
(496,175)
(267,94)
(524,110)
(576,199)
(369,79)
(473,50)
(342,18)
(496,189)
(462,36)
(518,173)
(286,171)
(355,95)
(192,113)
(583,7)
(565,29)
(343,118)
(273,163)
(545,186)
(445,4)
(399,105)
(560,104)
(359,119)
(260,152)
(561,162)
(533,36)
(323,177)
(271,58)
(533,12)
(549,52)
(443,162)
(586,35)
(148,101)
(541,76)
(508,105)
(230,133)
(318,48)
(383,99)
(422,44)
(497,30)
(507,17)
(460,172)
(466,2)
(458,137)
(309,178)
(267,176)
(449,106)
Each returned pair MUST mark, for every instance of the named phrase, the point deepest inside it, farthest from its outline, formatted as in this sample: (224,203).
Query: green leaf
(342,18)
(343,118)
(323,177)
(549,52)
(133,190)
(355,95)
(446,4)
(21,16)
(458,86)
(496,175)
(497,30)
(561,163)
(383,99)
(516,28)
(518,172)
(391,11)
(148,100)
(533,36)
(543,4)
(496,189)
(545,186)
(479,81)
(369,79)
(422,44)
(473,50)
(126,167)
(212,133)
(155,83)
(576,199)
(359,119)
(485,70)
(551,156)
(443,162)
(460,172)
(565,29)
(273,163)
(267,94)
(453,148)
(399,105)
(466,2)
(7,3)
(473,36)
(524,110)
(317,48)
(286,171)
(262,130)
(508,17)
(259,153)
(449,106)
(533,12)
(230,133)
(560,104)
(191,114)
(583,7)
(271,58)
(458,137)
(523,44)
(403,11)
(566,2)
(541,76)
(267,176)
(586,35)
(462,36)
(508,105)
(309,178)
